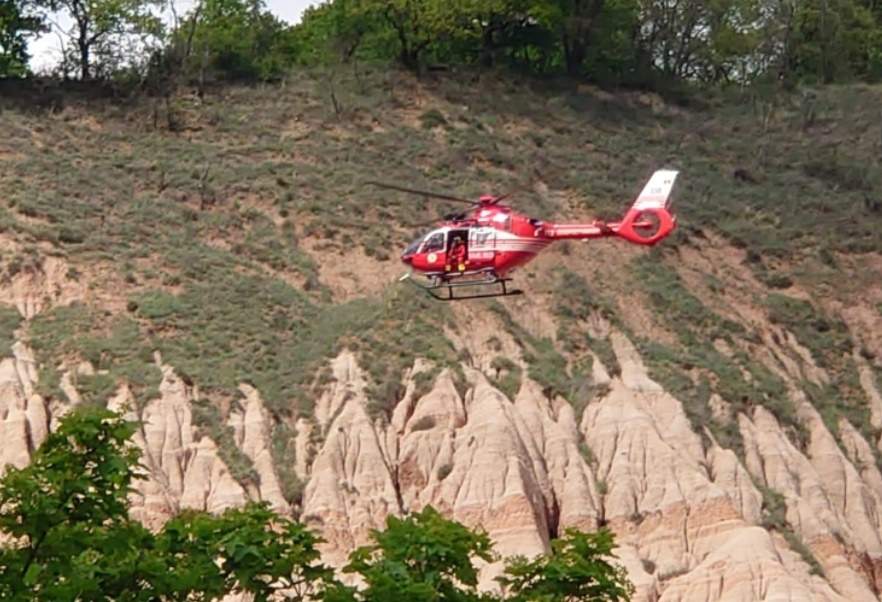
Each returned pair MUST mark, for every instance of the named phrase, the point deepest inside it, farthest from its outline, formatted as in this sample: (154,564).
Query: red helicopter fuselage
(498,240)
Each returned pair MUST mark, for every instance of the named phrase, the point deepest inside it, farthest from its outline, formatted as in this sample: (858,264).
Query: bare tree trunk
(574,53)
(83,44)
(880,144)
(358,80)
(170,121)
(202,65)
(206,196)
(80,12)
(338,108)
(576,35)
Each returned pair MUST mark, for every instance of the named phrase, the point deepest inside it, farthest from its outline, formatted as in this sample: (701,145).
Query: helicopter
(480,248)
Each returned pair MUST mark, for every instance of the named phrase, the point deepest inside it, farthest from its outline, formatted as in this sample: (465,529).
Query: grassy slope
(203,226)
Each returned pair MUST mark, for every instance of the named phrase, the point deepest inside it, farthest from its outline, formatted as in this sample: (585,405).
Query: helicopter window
(434,243)
(481,236)
(504,221)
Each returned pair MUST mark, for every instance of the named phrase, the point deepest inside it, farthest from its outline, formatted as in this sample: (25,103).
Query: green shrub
(774,509)
(96,388)
(830,344)
(156,305)
(548,367)
(423,424)
(774,517)
(423,382)
(587,454)
(838,173)
(404,325)
(10,320)
(696,328)
(284,460)
(114,347)
(507,377)
(444,471)
(432,118)
(827,339)
(575,301)
(776,280)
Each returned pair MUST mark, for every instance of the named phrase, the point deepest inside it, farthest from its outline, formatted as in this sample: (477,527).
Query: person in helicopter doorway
(457,255)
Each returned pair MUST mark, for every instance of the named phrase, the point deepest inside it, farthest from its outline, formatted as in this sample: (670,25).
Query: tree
(334,31)
(572,22)
(245,550)
(422,556)
(627,41)
(239,39)
(835,39)
(414,23)
(577,569)
(72,539)
(15,26)
(101,28)
(66,512)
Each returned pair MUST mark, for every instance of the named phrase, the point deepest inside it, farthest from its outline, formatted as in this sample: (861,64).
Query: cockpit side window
(435,243)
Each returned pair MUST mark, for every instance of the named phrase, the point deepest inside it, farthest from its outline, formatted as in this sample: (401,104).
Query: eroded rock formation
(780,520)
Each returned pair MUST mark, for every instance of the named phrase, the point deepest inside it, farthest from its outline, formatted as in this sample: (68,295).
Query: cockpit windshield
(412,247)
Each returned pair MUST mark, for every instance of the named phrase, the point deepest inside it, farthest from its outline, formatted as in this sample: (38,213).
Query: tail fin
(657,192)
(653,202)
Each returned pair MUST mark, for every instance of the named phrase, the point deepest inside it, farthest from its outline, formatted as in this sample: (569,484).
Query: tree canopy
(68,536)
(626,42)
(15,26)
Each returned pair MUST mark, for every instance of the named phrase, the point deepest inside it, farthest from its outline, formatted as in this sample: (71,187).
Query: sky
(46,50)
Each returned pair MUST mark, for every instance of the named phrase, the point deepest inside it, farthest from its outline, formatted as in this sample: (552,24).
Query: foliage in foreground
(73,539)
(70,538)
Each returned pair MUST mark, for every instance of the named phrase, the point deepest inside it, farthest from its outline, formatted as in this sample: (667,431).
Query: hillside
(216,268)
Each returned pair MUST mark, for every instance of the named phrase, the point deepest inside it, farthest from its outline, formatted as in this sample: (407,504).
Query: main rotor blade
(502,197)
(427,193)
(443,218)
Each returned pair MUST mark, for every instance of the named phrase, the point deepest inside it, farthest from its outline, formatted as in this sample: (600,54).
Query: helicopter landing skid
(438,284)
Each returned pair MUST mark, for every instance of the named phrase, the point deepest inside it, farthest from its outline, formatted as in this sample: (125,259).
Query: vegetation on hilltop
(641,42)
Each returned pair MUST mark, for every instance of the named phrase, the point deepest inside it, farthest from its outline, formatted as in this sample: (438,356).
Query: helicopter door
(452,236)
(461,234)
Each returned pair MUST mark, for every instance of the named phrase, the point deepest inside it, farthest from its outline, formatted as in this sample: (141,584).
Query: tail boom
(595,229)
(647,221)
